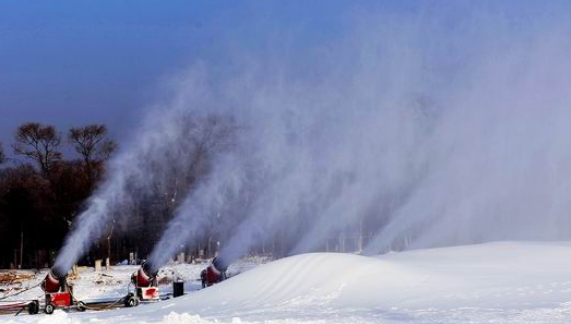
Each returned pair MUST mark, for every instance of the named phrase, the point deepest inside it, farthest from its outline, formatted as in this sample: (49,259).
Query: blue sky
(71,62)
(74,62)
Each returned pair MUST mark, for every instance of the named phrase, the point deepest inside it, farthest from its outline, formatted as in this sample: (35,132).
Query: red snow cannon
(146,286)
(59,293)
(215,273)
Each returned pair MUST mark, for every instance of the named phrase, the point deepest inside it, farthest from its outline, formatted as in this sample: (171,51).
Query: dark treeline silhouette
(41,191)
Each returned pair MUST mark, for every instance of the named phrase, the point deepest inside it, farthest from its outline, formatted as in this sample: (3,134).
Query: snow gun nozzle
(220,264)
(150,270)
(54,281)
(58,273)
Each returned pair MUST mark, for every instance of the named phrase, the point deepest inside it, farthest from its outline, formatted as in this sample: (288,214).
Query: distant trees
(41,194)
(93,145)
(43,189)
(29,225)
(39,143)
(48,181)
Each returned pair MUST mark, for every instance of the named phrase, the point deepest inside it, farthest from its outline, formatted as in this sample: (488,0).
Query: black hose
(20,292)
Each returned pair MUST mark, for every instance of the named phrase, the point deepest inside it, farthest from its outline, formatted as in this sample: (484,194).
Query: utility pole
(21,245)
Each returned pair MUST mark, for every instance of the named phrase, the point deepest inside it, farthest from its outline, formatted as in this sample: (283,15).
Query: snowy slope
(511,282)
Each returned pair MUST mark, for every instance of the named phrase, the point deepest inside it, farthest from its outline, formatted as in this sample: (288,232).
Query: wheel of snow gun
(81,306)
(34,307)
(131,301)
(203,278)
(50,308)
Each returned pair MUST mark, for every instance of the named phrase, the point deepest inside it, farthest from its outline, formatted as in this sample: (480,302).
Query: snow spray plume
(165,142)
(408,134)
(198,207)
(203,200)
(343,147)
(417,154)
(500,164)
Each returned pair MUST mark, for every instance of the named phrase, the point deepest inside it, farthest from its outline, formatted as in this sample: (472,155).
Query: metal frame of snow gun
(59,294)
(146,287)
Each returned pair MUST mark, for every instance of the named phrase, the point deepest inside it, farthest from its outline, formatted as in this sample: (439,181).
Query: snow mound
(58,317)
(465,276)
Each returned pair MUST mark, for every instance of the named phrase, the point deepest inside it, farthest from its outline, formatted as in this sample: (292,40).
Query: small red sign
(150,293)
(61,299)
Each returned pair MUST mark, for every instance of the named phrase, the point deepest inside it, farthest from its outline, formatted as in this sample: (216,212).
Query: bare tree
(2,155)
(92,143)
(39,143)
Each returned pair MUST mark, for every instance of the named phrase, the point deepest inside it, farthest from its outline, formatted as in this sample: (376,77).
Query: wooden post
(97,265)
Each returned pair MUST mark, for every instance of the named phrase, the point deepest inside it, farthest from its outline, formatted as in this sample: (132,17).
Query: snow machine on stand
(59,293)
(215,273)
(146,286)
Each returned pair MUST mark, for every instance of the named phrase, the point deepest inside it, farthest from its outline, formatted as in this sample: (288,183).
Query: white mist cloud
(163,147)
(415,128)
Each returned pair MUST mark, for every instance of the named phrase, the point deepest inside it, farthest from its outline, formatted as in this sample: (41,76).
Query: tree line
(42,190)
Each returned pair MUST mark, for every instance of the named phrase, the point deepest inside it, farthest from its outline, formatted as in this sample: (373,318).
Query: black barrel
(177,288)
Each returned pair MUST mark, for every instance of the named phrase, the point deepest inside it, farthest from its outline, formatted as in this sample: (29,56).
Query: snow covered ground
(113,284)
(506,282)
